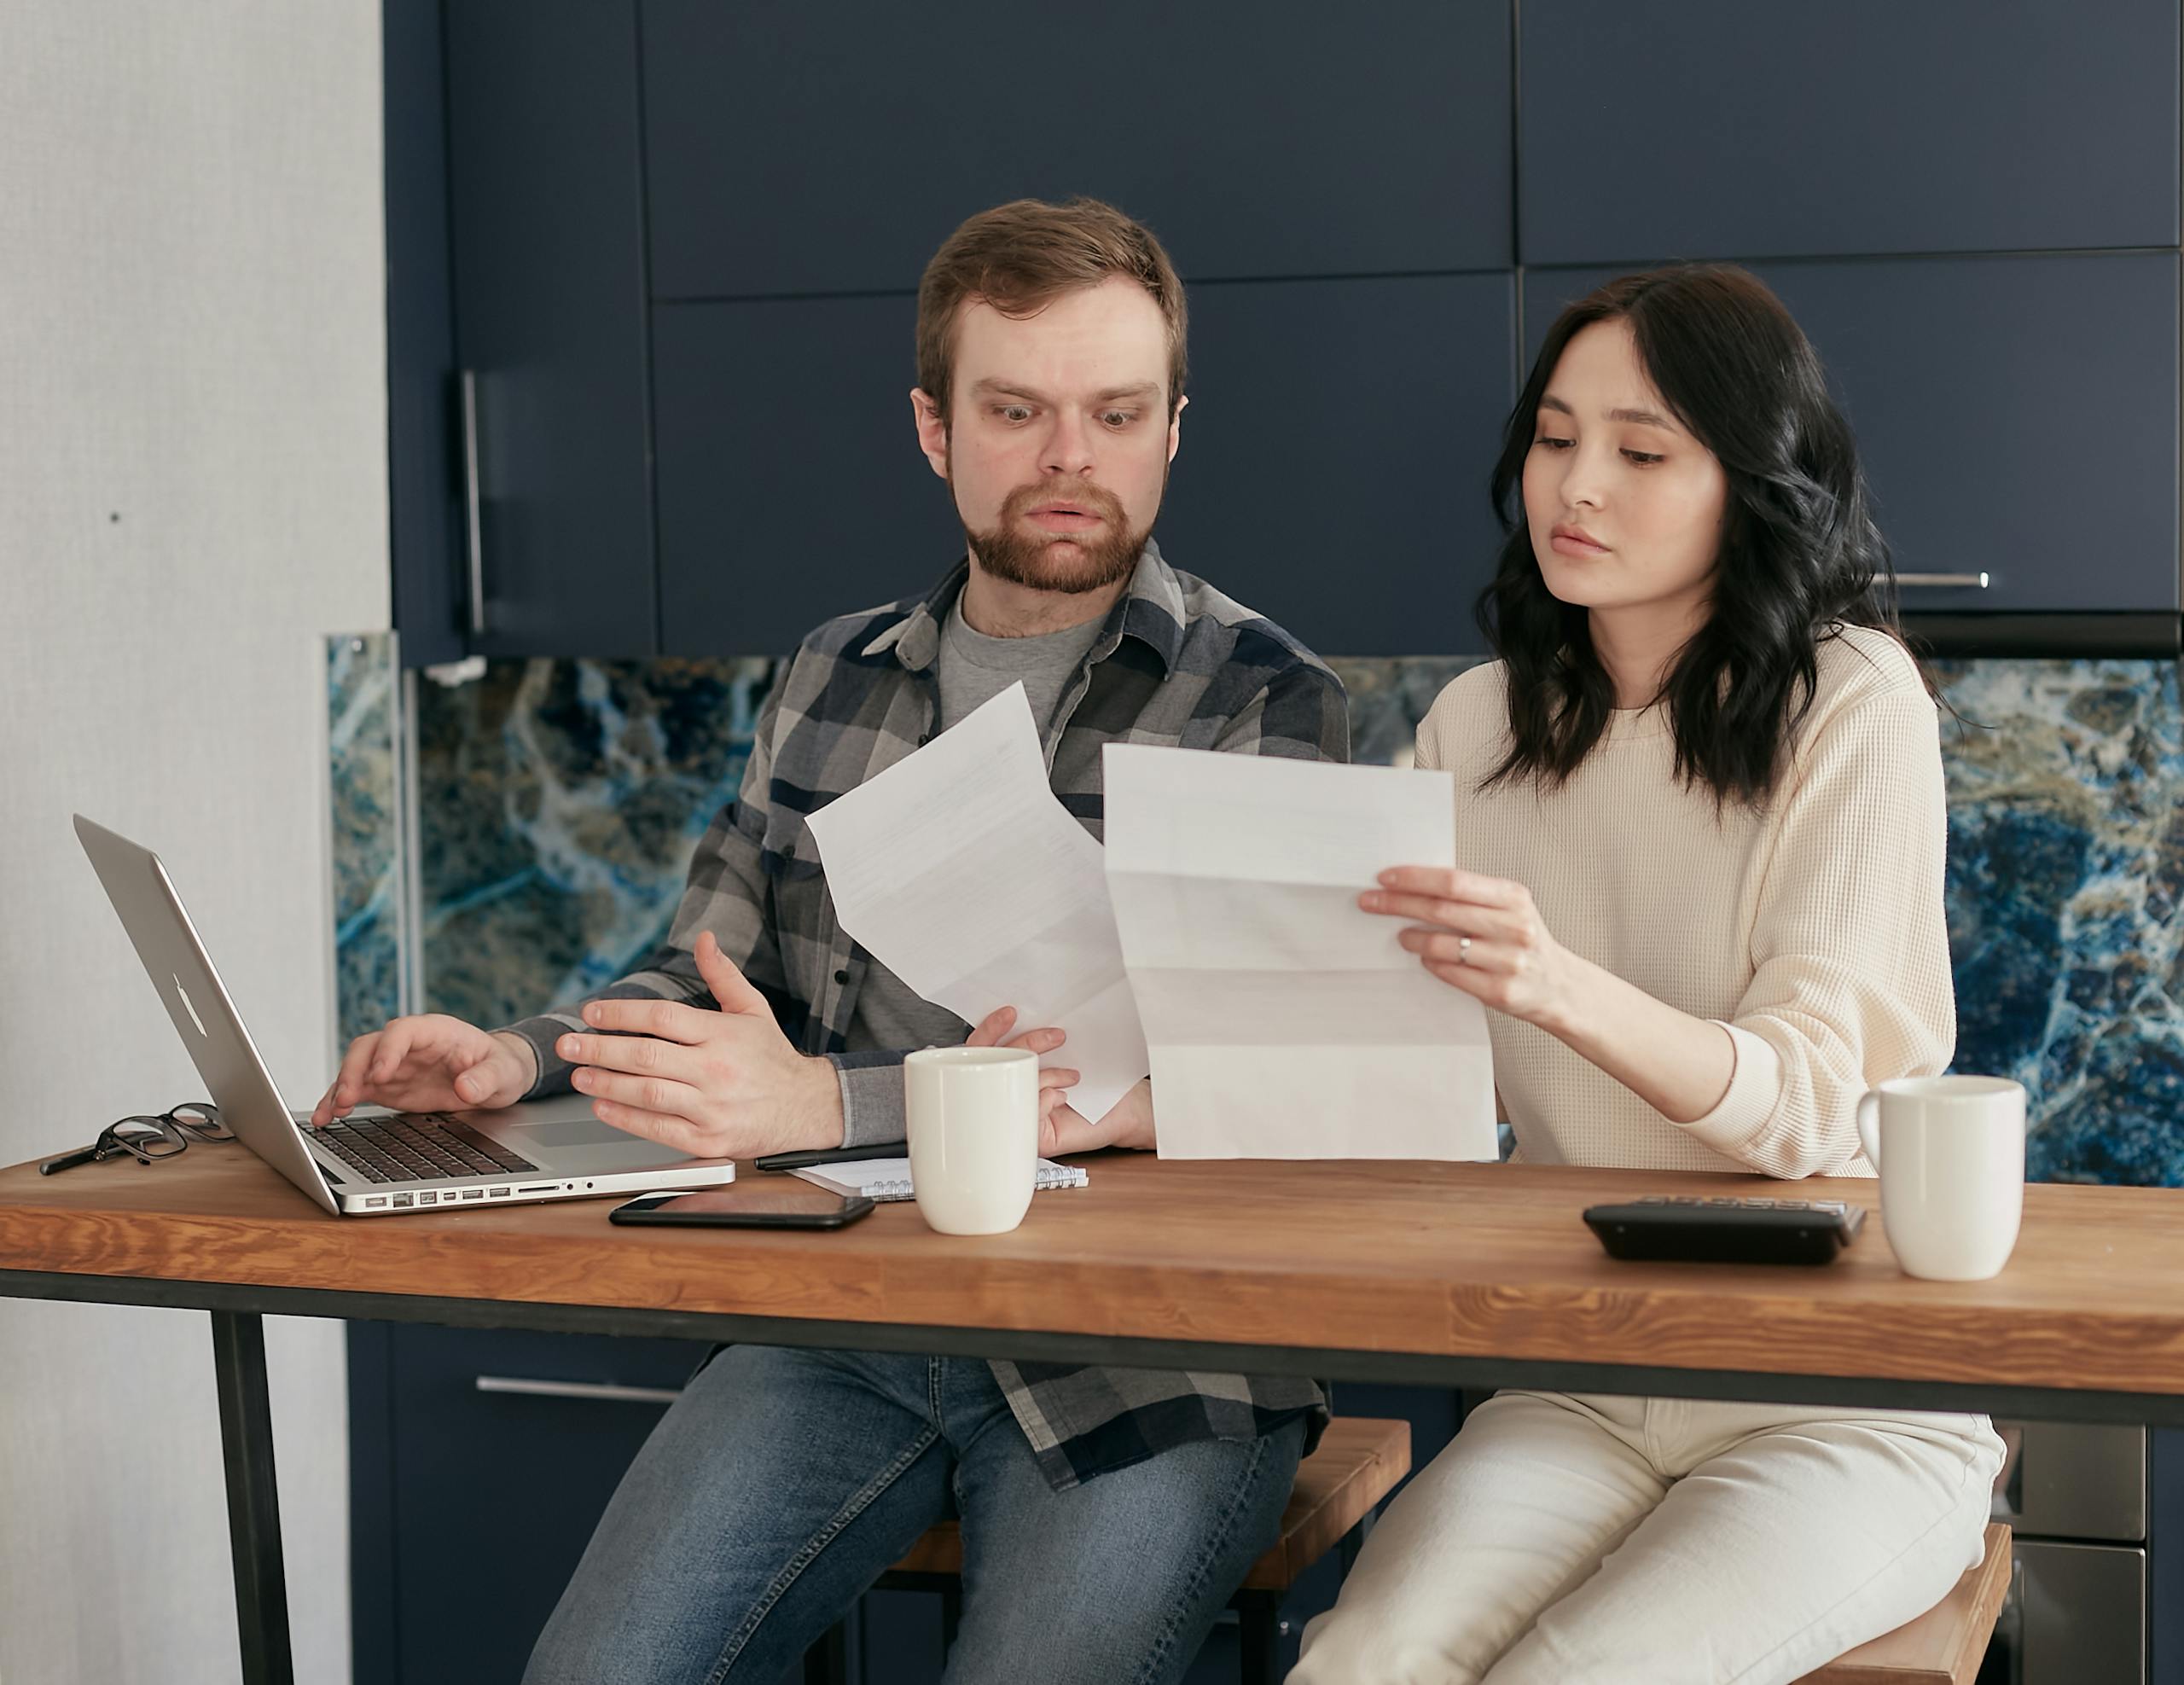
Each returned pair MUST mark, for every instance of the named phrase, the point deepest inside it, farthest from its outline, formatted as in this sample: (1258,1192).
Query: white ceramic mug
(973,1121)
(1951,1155)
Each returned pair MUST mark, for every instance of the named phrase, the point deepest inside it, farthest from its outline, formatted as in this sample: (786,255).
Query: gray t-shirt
(972,669)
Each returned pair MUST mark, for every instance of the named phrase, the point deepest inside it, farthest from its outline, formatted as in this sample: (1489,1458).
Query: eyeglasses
(149,1138)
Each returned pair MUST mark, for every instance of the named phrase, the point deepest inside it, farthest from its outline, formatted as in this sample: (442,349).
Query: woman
(1701,816)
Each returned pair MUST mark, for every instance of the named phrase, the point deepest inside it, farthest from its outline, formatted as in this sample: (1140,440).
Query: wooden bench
(1943,1647)
(1338,1491)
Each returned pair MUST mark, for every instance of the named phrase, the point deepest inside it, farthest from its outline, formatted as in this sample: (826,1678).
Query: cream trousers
(1582,1540)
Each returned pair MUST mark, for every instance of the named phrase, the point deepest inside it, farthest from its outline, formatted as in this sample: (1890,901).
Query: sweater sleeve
(1849,943)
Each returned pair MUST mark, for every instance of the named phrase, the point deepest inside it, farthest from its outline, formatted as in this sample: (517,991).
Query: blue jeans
(783,1483)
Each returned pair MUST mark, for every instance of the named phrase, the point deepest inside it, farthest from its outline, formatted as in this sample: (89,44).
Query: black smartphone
(784,1202)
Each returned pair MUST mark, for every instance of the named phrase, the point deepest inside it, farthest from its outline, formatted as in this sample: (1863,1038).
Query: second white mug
(1951,1155)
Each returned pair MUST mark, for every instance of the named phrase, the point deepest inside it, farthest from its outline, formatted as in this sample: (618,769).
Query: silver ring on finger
(1463,951)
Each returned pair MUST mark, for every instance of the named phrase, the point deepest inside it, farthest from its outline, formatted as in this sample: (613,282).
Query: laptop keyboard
(416,1147)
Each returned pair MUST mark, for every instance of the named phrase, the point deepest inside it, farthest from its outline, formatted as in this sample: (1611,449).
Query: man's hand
(430,1062)
(1054,1084)
(1062,1128)
(723,1084)
(1128,1123)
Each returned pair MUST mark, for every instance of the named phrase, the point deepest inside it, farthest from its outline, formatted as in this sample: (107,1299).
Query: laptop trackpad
(585,1144)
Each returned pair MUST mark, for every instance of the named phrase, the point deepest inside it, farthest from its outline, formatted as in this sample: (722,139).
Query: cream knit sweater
(1814,931)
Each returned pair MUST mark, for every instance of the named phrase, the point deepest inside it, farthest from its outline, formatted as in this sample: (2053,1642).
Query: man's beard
(1071,563)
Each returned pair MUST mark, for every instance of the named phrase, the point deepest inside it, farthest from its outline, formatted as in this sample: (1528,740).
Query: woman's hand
(1482,935)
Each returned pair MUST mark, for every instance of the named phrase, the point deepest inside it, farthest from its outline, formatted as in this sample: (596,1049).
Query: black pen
(821,1155)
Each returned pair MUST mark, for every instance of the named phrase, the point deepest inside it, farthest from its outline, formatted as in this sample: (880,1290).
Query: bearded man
(1107,1515)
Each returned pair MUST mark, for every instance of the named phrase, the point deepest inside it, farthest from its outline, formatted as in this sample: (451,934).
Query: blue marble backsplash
(372,926)
(559,802)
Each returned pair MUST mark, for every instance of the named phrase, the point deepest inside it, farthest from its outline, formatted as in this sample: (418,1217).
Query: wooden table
(1471,1275)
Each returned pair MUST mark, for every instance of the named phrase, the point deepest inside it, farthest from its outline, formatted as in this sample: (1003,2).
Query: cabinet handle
(474,526)
(605,1391)
(1976,581)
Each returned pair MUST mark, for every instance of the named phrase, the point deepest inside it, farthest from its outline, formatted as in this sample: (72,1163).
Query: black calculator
(1692,1230)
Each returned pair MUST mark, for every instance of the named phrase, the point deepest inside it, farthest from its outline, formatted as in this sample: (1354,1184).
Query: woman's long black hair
(1799,555)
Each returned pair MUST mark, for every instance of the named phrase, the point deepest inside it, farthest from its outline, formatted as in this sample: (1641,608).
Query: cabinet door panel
(1717,127)
(797,148)
(1335,453)
(791,485)
(495,1494)
(546,210)
(424,524)
(2016,416)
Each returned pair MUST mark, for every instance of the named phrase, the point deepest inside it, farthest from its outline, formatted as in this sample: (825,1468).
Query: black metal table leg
(827,1661)
(253,1505)
(1258,1637)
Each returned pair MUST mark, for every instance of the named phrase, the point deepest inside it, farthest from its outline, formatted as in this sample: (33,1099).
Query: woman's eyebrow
(1644,418)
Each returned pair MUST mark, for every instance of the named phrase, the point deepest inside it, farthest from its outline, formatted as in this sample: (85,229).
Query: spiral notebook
(881,1180)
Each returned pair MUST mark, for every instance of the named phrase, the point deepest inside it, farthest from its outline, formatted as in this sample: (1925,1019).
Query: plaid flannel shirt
(1177,664)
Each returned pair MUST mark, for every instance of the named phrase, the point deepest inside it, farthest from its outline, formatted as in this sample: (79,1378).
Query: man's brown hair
(1019,257)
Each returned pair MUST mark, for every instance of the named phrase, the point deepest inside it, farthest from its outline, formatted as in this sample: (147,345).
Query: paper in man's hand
(959,871)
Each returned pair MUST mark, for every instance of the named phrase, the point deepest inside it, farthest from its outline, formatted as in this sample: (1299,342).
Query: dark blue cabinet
(1335,453)
(546,230)
(680,241)
(469,1508)
(793,148)
(1718,128)
(791,485)
(1332,473)
(2017,415)
(424,508)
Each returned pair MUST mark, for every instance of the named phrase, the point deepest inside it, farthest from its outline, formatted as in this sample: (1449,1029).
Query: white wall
(191,492)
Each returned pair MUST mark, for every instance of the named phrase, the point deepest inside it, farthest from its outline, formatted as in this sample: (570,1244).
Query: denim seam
(1216,1542)
(863,1501)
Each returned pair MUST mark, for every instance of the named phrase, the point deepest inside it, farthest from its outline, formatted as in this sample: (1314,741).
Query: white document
(1284,1022)
(958,870)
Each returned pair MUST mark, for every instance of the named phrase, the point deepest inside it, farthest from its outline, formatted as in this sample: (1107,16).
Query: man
(1107,1514)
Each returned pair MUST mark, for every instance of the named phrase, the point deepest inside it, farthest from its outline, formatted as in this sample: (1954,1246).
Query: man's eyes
(1016,415)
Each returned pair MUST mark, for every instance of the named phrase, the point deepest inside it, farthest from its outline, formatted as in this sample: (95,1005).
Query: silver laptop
(375,1162)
